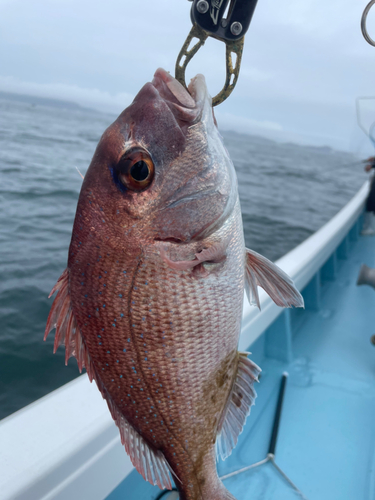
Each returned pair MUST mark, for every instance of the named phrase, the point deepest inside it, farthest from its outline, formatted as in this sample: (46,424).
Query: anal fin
(237,409)
(149,462)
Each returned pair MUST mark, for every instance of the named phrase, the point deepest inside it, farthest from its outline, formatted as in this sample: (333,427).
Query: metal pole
(276,421)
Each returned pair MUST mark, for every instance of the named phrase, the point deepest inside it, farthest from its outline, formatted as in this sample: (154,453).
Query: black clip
(208,20)
(208,14)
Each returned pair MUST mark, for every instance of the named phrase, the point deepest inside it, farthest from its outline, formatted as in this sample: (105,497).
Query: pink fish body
(151,300)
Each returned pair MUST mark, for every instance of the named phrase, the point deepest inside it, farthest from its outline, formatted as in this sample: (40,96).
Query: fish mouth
(189,106)
(202,204)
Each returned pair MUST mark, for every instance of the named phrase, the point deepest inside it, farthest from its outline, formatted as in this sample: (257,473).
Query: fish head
(161,171)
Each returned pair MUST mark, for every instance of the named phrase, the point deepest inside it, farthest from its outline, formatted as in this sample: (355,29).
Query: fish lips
(187,108)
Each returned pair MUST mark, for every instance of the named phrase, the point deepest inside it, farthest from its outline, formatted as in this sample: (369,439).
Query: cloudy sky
(304,63)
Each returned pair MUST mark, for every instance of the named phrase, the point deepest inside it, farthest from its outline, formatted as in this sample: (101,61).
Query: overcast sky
(304,63)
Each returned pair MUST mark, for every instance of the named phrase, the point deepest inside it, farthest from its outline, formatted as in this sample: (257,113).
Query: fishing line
(372,133)
(80,173)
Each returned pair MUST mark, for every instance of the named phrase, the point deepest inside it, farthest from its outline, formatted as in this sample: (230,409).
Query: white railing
(66,446)
(301,264)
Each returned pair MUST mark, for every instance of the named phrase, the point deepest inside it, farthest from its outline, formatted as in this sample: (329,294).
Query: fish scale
(196,323)
(192,331)
(151,299)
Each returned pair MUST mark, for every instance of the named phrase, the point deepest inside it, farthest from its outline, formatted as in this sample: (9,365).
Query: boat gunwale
(301,264)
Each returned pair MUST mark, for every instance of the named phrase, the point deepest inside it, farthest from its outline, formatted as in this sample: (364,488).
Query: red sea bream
(151,299)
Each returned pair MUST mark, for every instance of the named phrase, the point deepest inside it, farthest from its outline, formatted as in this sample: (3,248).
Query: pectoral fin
(262,272)
(238,406)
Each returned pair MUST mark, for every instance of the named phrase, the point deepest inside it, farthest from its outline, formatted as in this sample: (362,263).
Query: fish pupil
(140,171)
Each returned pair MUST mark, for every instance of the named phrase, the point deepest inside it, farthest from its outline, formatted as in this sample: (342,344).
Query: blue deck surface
(326,442)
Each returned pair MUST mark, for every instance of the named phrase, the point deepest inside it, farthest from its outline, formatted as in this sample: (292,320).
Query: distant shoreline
(41,101)
(225,129)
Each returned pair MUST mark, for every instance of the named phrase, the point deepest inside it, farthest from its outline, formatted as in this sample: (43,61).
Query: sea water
(287,192)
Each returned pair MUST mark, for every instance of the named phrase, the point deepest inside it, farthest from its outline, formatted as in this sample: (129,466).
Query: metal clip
(363,24)
(208,20)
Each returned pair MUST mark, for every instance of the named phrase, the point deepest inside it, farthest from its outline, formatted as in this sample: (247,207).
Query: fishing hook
(208,20)
(363,24)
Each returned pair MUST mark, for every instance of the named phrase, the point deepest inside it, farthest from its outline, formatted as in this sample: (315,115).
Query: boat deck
(326,441)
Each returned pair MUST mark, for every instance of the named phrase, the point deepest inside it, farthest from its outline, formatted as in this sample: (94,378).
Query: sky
(305,62)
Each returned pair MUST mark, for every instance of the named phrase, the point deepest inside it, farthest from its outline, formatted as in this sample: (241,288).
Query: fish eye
(136,169)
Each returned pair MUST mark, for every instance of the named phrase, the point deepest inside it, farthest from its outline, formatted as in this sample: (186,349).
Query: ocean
(287,192)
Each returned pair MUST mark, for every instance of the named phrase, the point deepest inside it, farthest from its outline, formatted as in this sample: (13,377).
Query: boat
(66,446)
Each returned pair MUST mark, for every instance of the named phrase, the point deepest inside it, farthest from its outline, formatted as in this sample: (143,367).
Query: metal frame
(364,24)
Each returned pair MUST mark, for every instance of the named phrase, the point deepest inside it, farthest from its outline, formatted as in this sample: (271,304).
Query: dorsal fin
(148,461)
(238,406)
(262,272)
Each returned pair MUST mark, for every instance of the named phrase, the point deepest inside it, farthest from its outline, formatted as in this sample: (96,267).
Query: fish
(151,300)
